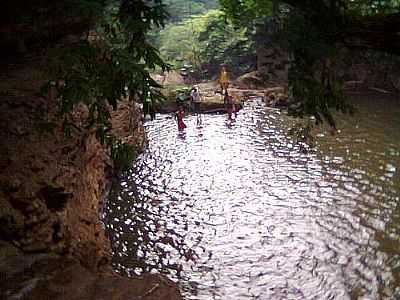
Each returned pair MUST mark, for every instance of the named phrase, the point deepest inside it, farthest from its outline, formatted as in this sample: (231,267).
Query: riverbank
(53,244)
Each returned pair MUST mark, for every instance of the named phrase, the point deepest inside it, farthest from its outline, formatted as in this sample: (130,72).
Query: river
(243,212)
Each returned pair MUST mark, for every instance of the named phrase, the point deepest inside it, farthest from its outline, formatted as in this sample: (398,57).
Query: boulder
(251,80)
(276,97)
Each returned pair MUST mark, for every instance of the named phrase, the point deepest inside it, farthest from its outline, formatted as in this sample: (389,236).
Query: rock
(395,80)
(14,184)
(268,52)
(20,130)
(35,247)
(272,61)
(55,197)
(251,80)
(353,84)
(57,183)
(276,97)
(281,100)
(268,92)
(43,276)
(281,72)
(8,249)
(11,221)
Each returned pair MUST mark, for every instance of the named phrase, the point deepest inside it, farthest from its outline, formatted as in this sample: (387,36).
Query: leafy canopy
(206,41)
(112,62)
(312,32)
(179,10)
(246,11)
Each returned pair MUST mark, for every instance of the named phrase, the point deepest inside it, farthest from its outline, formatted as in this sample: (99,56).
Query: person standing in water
(223,80)
(229,105)
(148,107)
(196,99)
(179,117)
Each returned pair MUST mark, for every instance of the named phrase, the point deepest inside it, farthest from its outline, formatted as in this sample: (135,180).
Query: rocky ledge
(52,242)
(50,276)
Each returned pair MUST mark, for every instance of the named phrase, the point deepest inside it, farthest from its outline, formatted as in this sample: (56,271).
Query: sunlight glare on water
(265,219)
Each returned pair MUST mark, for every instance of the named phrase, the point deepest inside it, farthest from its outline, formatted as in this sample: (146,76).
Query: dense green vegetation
(179,10)
(198,34)
(207,41)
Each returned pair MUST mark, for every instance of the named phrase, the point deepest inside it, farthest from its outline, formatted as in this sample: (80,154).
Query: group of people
(196,99)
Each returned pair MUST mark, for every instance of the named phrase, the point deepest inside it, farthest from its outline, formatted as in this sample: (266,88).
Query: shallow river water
(243,212)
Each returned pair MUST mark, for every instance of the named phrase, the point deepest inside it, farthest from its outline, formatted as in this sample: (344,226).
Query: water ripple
(240,212)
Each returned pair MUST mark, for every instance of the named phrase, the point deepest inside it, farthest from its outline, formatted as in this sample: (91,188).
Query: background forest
(198,34)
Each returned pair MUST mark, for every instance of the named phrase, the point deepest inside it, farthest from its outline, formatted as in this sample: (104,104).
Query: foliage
(222,43)
(207,41)
(311,31)
(246,12)
(372,7)
(179,10)
(178,42)
(313,86)
(112,63)
(122,155)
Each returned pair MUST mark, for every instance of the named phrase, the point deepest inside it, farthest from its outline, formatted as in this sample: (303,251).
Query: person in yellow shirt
(223,80)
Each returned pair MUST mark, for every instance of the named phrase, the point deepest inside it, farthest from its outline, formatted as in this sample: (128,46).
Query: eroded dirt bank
(53,245)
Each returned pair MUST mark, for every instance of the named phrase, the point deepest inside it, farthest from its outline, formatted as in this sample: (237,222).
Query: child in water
(179,117)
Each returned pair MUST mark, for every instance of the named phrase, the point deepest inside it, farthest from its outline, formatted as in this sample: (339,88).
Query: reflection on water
(266,220)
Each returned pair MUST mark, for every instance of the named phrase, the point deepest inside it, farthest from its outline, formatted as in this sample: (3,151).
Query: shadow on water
(240,211)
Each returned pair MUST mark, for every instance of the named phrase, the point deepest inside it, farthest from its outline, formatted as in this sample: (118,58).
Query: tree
(179,42)
(223,43)
(246,11)
(180,10)
(206,41)
(314,32)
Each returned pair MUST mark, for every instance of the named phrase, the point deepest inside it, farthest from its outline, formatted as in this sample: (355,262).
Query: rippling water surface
(242,212)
